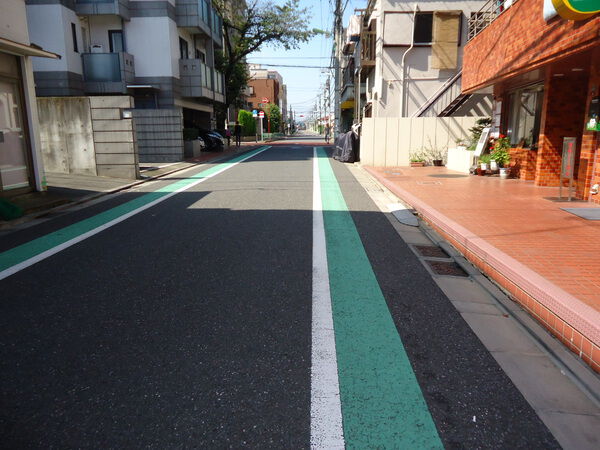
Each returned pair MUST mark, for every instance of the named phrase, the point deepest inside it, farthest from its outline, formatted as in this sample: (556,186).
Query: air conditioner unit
(96,48)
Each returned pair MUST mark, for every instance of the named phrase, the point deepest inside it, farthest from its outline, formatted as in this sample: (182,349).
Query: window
(200,55)
(74,33)
(423,28)
(183,48)
(115,41)
(524,114)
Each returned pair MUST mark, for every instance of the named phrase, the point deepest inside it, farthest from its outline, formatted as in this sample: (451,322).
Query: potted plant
(417,161)
(484,160)
(501,154)
(434,154)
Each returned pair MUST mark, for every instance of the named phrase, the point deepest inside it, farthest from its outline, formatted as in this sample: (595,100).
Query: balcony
(103,7)
(480,20)
(367,48)
(194,16)
(107,73)
(196,79)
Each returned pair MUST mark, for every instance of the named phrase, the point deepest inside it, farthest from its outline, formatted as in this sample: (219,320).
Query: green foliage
(500,152)
(418,156)
(190,134)
(485,158)
(273,113)
(247,122)
(247,26)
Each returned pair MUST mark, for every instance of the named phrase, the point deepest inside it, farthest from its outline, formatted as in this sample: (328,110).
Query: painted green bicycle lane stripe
(382,403)
(33,248)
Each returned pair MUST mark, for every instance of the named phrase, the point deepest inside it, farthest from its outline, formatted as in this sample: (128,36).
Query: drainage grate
(447,268)
(431,251)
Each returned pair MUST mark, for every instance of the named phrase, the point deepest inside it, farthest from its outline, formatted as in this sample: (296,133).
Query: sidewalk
(66,190)
(518,235)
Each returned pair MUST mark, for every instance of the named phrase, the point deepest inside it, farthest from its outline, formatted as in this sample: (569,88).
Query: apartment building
(160,54)
(268,84)
(21,166)
(407,58)
(543,65)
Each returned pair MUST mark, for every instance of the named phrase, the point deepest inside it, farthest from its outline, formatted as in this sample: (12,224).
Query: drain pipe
(412,44)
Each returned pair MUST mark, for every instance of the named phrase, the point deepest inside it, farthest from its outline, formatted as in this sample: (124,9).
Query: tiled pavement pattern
(487,214)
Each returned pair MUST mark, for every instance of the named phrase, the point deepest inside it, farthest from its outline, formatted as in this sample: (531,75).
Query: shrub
(247,122)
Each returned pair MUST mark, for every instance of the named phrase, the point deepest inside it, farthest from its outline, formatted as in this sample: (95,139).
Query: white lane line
(325,408)
(54,250)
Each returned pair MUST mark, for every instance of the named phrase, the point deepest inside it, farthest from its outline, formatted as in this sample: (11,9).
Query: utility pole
(337,41)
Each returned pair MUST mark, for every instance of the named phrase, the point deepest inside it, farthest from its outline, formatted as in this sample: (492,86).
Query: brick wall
(522,163)
(590,142)
(520,40)
(263,87)
(564,116)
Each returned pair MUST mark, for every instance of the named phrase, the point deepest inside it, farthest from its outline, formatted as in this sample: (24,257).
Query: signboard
(265,100)
(568,163)
(593,123)
(576,9)
(254,113)
(485,134)
(261,115)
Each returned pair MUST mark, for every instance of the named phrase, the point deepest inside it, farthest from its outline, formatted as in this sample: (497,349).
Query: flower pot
(493,165)
(483,166)
(417,163)
(480,172)
(504,172)
(438,162)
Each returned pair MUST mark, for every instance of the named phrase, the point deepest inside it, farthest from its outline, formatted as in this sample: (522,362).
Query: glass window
(423,28)
(74,34)
(183,49)
(525,111)
(115,41)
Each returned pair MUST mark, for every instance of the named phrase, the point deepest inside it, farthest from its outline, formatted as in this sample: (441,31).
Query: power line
(296,66)
(288,57)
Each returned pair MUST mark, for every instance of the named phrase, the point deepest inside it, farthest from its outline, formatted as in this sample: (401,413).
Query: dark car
(213,140)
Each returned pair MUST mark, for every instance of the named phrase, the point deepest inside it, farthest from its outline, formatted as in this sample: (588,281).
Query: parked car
(213,140)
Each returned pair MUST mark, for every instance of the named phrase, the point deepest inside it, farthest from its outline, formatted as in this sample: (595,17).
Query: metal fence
(487,14)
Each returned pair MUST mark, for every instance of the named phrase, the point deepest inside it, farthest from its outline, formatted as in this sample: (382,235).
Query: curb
(30,217)
(525,286)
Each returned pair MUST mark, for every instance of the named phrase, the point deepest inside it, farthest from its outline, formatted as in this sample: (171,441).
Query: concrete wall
(86,135)
(13,21)
(159,134)
(154,41)
(114,138)
(389,142)
(66,134)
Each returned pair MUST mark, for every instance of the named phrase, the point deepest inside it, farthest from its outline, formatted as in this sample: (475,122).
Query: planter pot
(480,172)
(493,165)
(483,166)
(417,164)
(504,172)
(438,162)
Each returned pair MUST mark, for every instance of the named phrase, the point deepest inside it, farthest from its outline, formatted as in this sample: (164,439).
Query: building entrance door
(14,158)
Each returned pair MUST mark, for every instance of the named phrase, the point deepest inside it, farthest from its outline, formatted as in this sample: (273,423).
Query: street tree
(247,26)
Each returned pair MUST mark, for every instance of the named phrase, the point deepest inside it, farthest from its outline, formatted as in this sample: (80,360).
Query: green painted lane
(382,403)
(52,240)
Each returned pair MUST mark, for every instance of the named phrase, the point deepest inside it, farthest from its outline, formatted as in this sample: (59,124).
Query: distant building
(264,84)
(21,167)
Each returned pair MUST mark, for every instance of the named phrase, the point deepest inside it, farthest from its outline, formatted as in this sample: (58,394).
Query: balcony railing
(103,7)
(486,15)
(367,48)
(107,72)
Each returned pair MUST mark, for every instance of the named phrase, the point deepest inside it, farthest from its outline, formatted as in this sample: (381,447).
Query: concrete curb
(579,315)
(29,217)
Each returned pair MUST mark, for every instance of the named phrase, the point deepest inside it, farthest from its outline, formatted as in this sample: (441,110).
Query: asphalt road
(190,324)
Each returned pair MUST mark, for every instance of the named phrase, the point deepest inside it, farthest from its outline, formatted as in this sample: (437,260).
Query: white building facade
(21,167)
(160,53)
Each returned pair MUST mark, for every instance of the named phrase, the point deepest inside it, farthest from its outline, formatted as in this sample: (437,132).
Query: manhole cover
(431,251)
(447,268)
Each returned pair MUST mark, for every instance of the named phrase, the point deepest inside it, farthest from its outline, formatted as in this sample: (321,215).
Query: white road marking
(54,250)
(325,407)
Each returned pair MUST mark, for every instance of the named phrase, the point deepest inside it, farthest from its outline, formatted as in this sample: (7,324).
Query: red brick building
(545,73)
(263,88)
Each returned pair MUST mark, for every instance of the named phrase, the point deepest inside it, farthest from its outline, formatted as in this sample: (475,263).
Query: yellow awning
(348,104)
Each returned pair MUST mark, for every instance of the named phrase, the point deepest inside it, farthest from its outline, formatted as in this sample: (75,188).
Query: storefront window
(525,111)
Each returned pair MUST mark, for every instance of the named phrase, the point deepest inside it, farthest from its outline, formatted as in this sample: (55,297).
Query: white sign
(261,114)
(485,134)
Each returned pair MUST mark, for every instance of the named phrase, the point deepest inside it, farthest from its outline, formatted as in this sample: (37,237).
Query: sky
(303,84)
